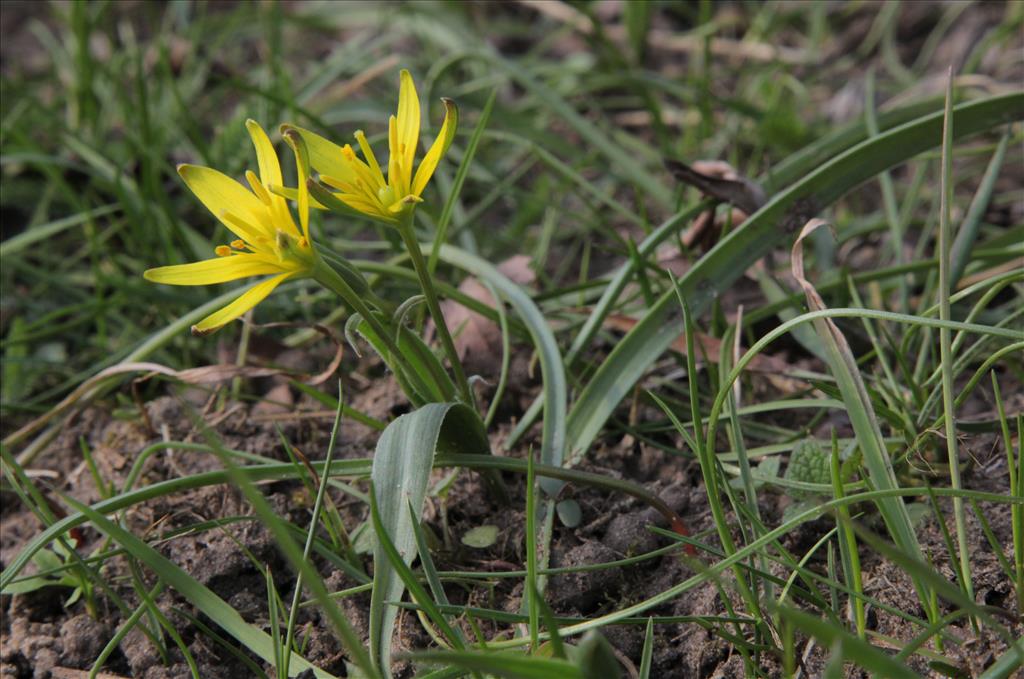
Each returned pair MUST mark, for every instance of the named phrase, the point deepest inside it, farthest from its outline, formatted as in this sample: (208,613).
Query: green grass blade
(218,610)
(848,646)
(502,664)
(620,161)
(843,366)
(42,232)
(770,227)
(960,255)
(552,368)
(945,338)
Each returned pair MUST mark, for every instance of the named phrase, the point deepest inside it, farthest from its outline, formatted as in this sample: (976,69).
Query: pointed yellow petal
(266,156)
(208,271)
(440,146)
(324,156)
(408,123)
(247,300)
(397,178)
(371,159)
(403,204)
(270,173)
(357,202)
(220,193)
(257,187)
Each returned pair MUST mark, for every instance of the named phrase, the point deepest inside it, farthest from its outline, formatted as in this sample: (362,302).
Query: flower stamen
(257,187)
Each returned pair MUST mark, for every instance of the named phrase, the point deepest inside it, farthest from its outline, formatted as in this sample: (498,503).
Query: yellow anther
(238,244)
(222,251)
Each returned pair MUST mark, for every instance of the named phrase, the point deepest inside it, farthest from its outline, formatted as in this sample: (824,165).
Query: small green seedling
(808,463)
(55,569)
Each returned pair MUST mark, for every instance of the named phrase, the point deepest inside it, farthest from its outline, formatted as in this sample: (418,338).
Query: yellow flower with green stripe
(361,183)
(268,241)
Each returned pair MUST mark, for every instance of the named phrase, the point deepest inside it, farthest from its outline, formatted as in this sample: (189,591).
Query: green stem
(324,274)
(405,228)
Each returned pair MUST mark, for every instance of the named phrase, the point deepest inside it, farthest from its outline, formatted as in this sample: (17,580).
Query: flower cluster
(268,240)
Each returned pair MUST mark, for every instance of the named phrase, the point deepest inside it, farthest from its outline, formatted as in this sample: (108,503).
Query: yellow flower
(268,243)
(361,182)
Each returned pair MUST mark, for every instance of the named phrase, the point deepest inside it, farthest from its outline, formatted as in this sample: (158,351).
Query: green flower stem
(324,274)
(405,228)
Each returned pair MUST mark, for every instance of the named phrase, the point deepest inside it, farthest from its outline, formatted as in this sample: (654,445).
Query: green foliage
(568,112)
(808,463)
(54,568)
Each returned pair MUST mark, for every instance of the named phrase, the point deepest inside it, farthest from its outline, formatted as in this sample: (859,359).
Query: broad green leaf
(402,463)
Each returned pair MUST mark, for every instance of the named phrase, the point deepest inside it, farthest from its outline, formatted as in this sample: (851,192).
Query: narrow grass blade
(620,161)
(648,651)
(963,245)
(199,595)
(552,368)
(843,366)
(771,226)
(43,232)
(404,572)
(503,664)
(945,338)
(849,647)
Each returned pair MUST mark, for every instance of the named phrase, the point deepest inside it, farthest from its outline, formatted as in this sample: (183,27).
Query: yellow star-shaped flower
(268,243)
(361,183)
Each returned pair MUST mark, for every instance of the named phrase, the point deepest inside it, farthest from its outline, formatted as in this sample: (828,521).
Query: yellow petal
(266,156)
(208,271)
(247,300)
(324,156)
(220,193)
(440,146)
(370,208)
(408,123)
(397,175)
(371,159)
(270,173)
(400,205)
(293,194)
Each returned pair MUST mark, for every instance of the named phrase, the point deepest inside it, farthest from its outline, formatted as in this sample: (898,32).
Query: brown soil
(42,637)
